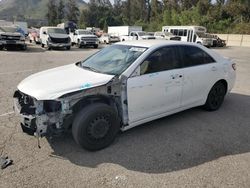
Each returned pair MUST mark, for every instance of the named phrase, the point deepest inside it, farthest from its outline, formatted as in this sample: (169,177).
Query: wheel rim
(98,128)
(216,96)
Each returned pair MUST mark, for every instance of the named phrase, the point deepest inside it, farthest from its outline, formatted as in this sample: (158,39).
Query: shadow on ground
(181,141)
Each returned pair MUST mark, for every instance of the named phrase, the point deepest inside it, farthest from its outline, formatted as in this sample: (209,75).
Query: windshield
(9,29)
(56,30)
(202,35)
(113,60)
(85,33)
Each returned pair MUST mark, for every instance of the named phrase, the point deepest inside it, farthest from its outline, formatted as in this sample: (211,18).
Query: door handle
(176,76)
(214,69)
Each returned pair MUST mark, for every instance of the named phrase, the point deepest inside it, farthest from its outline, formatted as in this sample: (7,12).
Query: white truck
(122,30)
(136,35)
(83,38)
(129,33)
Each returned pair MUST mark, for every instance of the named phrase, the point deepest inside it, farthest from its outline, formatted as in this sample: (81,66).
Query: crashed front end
(39,118)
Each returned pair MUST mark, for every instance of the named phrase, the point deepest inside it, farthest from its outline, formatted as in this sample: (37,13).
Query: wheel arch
(224,82)
(88,100)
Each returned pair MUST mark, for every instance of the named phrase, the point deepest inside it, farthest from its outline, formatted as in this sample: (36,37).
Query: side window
(180,32)
(185,33)
(175,32)
(195,56)
(161,60)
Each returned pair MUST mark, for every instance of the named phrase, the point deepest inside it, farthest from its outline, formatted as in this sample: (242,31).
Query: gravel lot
(194,148)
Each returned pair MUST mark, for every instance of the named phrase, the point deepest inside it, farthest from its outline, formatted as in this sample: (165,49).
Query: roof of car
(151,43)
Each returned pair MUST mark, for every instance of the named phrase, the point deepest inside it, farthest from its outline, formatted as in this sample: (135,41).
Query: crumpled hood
(58,35)
(53,83)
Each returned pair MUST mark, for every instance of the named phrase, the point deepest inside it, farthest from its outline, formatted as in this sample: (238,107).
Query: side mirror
(44,33)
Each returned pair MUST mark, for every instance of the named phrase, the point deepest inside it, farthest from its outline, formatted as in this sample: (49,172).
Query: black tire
(95,126)
(68,47)
(215,97)
(96,46)
(43,45)
(1,47)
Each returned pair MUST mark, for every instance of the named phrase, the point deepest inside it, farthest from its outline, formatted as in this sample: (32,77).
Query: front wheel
(95,126)
(68,47)
(96,46)
(215,97)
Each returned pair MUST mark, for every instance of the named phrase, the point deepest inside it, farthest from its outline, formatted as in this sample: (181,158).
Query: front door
(158,88)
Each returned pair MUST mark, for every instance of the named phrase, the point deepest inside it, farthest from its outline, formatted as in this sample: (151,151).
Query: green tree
(52,13)
(72,11)
(61,11)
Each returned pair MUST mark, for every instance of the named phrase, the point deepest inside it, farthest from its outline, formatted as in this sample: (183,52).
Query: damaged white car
(120,87)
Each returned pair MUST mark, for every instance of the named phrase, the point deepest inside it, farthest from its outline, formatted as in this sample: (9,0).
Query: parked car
(166,35)
(11,37)
(34,36)
(107,38)
(120,87)
(54,37)
(83,38)
(217,41)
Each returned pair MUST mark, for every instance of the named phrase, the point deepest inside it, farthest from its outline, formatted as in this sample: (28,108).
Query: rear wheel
(68,47)
(215,97)
(96,46)
(1,47)
(96,126)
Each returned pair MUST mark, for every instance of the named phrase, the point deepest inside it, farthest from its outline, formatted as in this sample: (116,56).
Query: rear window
(193,56)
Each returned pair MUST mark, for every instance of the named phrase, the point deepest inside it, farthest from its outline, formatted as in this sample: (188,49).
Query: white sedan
(123,86)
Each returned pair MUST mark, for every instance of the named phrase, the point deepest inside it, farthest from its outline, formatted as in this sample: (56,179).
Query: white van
(195,34)
(54,37)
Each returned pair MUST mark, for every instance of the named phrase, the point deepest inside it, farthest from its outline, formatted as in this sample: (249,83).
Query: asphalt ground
(194,148)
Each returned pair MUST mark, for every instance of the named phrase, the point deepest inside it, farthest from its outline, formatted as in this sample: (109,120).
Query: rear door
(158,88)
(200,72)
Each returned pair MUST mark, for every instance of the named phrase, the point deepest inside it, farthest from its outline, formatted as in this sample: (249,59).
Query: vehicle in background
(107,38)
(123,30)
(11,37)
(68,26)
(84,38)
(120,87)
(217,41)
(166,36)
(137,35)
(54,37)
(34,36)
(96,31)
(23,26)
(195,34)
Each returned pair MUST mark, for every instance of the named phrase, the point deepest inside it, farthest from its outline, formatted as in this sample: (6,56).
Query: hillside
(29,9)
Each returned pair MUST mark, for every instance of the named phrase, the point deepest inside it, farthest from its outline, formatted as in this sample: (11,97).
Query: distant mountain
(27,9)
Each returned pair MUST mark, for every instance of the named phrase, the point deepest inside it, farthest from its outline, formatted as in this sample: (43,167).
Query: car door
(158,88)
(200,72)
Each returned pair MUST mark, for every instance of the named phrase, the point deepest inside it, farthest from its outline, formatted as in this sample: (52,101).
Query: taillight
(234,66)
